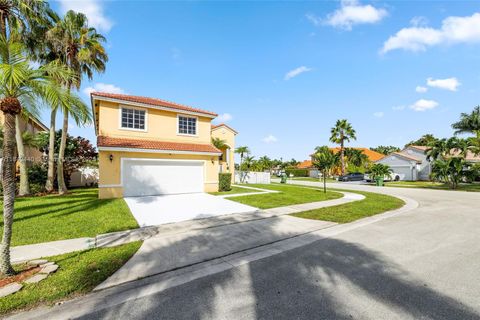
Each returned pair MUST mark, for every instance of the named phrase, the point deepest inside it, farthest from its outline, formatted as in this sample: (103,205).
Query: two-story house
(149,146)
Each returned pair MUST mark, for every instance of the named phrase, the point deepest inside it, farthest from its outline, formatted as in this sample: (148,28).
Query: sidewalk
(35,251)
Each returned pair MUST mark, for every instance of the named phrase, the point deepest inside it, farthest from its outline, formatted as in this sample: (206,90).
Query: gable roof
(408,157)
(422,148)
(306,164)
(372,155)
(123,143)
(218,126)
(149,102)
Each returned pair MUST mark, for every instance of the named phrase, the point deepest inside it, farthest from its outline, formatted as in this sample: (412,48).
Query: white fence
(85,176)
(252,177)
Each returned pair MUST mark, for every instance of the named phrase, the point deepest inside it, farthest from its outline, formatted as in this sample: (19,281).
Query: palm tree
(356,157)
(79,48)
(450,171)
(380,171)
(324,160)
(265,163)
(343,131)
(242,151)
(20,84)
(219,143)
(469,123)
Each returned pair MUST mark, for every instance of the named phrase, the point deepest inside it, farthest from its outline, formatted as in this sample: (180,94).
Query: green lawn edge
(78,273)
(373,204)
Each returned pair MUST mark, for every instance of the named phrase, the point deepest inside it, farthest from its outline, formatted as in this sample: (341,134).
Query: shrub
(224,182)
(36,188)
(37,174)
(297,172)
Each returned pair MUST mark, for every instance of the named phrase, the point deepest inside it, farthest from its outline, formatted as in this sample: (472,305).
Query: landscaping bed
(373,204)
(77,214)
(234,190)
(78,273)
(288,195)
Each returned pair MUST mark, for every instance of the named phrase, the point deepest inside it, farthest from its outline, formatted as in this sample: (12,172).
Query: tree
(424,140)
(450,171)
(356,157)
(442,149)
(219,143)
(21,83)
(264,163)
(386,150)
(343,131)
(248,163)
(469,123)
(242,151)
(79,47)
(324,160)
(380,170)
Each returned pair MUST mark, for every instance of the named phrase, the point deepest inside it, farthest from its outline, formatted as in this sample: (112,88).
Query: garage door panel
(146,177)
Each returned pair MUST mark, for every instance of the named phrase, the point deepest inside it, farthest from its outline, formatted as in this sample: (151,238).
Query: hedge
(297,172)
(224,182)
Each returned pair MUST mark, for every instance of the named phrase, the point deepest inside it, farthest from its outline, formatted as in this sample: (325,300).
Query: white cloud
(450,84)
(419,21)
(421,89)
(423,105)
(103,87)
(398,108)
(270,139)
(419,38)
(93,9)
(378,114)
(351,13)
(314,19)
(295,72)
(225,117)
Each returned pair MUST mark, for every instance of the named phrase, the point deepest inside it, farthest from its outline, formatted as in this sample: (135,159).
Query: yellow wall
(110,171)
(229,137)
(160,125)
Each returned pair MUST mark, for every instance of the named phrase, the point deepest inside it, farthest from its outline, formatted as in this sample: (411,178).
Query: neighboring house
(411,163)
(34,126)
(314,173)
(149,146)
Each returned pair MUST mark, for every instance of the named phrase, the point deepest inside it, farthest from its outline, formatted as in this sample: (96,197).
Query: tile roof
(372,155)
(103,141)
(403,155)
(223,125)
(305,164)
(423,148)
(151,101)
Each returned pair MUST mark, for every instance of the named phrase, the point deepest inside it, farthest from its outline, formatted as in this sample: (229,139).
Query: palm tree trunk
(8,181)
(51,152)
(342,155)
(24,188)
(62,187)
(324,181)
(241,169)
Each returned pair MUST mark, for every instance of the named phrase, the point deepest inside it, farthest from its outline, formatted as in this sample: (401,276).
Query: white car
(392,177)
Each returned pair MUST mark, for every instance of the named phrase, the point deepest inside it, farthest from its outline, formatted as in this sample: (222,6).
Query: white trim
(146,105)
(132,129)
(187,134)
(121,149)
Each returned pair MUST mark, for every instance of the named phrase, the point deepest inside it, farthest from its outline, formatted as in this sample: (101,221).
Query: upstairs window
(133,119)
(187,125)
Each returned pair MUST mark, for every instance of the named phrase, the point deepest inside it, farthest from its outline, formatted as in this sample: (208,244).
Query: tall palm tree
(242,151)
(20,84)
(79,47)
(324,160)
(343,131)
(469,123)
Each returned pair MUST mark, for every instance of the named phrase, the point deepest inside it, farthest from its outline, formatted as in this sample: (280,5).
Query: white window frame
(187,134)
(132,129)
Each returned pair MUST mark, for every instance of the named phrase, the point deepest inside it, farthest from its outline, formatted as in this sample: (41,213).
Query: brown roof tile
(151,101)
(103,141)
(406,156)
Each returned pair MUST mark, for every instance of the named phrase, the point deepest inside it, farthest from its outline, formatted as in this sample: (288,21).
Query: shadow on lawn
(328,279)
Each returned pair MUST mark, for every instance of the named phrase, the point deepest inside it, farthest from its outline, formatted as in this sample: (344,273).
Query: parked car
(393,177)
(356,176)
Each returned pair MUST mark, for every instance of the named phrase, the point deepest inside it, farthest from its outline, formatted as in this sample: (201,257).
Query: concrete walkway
(40,250)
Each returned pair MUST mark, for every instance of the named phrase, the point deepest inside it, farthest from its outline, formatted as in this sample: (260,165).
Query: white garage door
(157,177)
(405,173)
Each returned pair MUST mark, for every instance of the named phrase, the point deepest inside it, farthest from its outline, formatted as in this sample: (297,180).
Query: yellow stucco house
(149,146)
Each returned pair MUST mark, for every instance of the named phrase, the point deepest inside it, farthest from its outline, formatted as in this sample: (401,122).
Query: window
(133,119)
(187,125)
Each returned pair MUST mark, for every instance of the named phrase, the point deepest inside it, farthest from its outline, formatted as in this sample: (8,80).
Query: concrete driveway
(156,210)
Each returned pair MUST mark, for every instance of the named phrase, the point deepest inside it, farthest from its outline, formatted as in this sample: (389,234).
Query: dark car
(356,176)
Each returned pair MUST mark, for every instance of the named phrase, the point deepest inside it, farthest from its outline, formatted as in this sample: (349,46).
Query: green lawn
(78,214)
(473,187)
(373,204)
(329,180)
(234,190)
(289,194)
(78,273)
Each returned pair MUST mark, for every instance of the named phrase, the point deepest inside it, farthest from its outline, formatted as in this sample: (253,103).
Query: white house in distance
(409,164)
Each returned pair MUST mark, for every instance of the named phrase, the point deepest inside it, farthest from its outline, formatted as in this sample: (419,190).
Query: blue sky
(282,73)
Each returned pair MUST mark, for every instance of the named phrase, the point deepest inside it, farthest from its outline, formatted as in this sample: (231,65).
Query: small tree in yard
(242,151)
(324,160)
(450,171)
(380,170)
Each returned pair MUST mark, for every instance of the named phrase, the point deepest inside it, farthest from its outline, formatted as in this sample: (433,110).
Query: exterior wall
(404,168)
(160,124)
(110,172)
(425,168)
(229,137)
